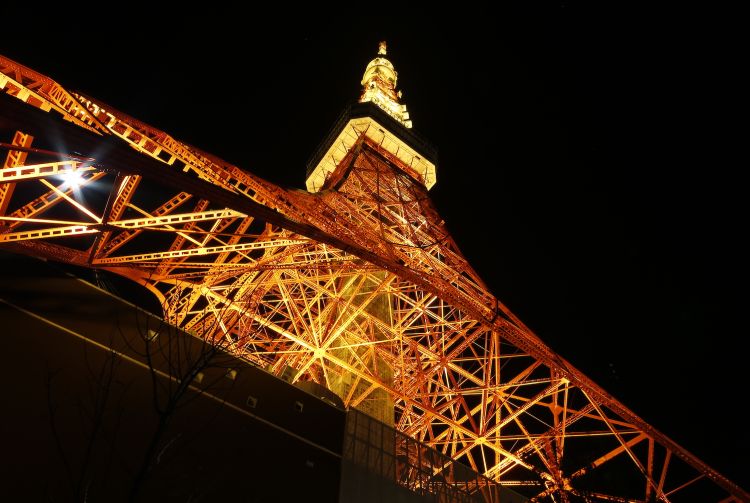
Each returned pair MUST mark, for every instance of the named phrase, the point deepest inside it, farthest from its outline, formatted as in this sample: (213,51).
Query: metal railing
(394,456)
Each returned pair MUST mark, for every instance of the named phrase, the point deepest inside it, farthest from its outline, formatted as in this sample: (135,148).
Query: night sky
(585,164)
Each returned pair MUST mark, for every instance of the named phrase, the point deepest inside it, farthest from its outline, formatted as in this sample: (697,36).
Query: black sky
(594,146)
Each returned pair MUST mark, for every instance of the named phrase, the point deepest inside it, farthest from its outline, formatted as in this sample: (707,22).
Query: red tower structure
(355,284)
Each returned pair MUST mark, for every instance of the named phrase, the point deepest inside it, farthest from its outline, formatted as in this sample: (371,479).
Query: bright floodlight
(73,178)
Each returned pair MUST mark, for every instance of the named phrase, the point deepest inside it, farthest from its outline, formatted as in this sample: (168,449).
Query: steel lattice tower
(355,284)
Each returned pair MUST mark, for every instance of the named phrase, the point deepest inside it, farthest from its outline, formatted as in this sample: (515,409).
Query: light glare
(73,178)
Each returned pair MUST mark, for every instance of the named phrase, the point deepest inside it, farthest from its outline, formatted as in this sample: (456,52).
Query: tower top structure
(379,119)
(379,87)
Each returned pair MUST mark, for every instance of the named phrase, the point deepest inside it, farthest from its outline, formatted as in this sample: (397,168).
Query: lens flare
(73,178)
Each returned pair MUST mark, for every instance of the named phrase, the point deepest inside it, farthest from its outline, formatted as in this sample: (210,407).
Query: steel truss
(291,280)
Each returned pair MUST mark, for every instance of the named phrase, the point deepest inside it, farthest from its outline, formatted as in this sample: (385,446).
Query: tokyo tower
(354,284)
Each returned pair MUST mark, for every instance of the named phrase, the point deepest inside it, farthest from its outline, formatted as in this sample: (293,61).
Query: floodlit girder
(359,284)
(42,92)
(611,454)
(52,232)
(209,250)
(13,159)
(30,172)
(180,218)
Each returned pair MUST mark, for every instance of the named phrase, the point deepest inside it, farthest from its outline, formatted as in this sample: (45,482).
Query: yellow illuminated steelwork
(379,87)
(369,129)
